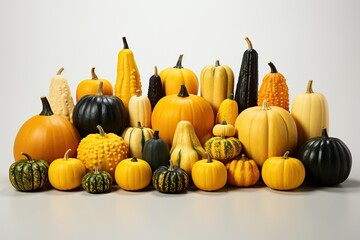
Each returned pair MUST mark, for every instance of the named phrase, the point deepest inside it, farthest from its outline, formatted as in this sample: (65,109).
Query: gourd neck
(183,91)
(272,67)
(100,91)
(126,46)
(93,74)
(101,131)
(66,155)
(309,87)
(250,47)
(179,62)
(217,63)
(324,133)
(60,71)
(46,109)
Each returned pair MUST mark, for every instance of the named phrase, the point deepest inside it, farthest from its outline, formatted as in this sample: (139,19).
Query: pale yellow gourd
(60,98)
(186,148)
(135,138)
(216,84)
(228,111)
(140,110)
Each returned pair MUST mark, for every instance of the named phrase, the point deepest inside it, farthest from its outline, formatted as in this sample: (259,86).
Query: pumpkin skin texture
(216,83)
(135,138)
(156,152)
(28,174)
(139,110)
(224,129)
(90,86)
(170,179)
(97,181)
(242,172)
(283,173)
(228,111)
(311,114)
(60,99)
(266,131)
(186,148)
(246,92)
(133,174)
(99,109)
(209,174)
(174,108)
(327,160)
(274,89)
(173,77)
(223,149)
(66,173)
(155,89)
(103,151)
(128,75)
(46,136)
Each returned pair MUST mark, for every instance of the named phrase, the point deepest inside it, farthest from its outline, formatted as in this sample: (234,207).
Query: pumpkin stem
(46,109)
(272,67)
(248,43)
(96,170)
(217,63)
(66,155)
(179,62)
(265,105)
(309,87)
(134,159)
(60,71)
(28,157)
(139,124)
(171,167)
(209,160)
(183,91)
(138,93)
(243,157)
(126,46)
(100,89)
(286,155)
(155,71)
(101,131)
(224,122)
(93,74)
(324,133)
(156,134)
(231,96)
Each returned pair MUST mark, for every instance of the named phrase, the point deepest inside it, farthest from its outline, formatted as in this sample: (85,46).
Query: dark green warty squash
(28,174)
(327,160)
(246,92)
(156,152)
(97,181)
(170,179)
(155,90)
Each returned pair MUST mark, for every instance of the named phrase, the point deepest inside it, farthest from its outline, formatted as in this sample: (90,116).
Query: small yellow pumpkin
(283,173)
(224,129)
(139,110)
(209,174)
(135,138)
(242,172)
(133,174)
(223,149)
(228,111)
(66,173)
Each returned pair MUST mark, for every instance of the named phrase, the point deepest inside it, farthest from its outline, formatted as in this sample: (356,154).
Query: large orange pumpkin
(173,108)
(46,136)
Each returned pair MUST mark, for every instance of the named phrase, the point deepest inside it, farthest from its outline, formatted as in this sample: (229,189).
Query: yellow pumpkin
(186,148)
(311,114)
(173,108)
(139,110)
(66,173)
(128,76)
(266,131)
(283,173)
(223,149)
(133,174)
(135,138)
(274,89)
(228,111)
(173,77)
(102,150)
(224,129)
(60,99)
(216,84)
(209,174)
(242,172)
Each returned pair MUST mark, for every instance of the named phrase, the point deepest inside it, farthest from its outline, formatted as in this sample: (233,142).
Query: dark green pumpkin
(327,160)
(170,179)
(156,152)
(246,92)
(97,181)
(104,110)
(28,174)
(155,90)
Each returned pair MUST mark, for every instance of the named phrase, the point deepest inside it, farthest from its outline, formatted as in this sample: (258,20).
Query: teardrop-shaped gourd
(139,110)
(155,90)
(60,98)
(228,111)
(156,152)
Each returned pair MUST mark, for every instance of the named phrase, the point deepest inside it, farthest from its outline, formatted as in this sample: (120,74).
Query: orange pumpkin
(173,108)
(46,136)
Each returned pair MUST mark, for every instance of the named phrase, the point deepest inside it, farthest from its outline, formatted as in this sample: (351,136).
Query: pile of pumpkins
(173,136)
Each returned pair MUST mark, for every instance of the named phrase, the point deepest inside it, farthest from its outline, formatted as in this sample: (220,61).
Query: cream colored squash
(140,110)
(135,138)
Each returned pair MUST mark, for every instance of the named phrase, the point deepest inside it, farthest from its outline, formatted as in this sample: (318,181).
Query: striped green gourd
(28,174)
(97,181)
(223,149)
(170,179)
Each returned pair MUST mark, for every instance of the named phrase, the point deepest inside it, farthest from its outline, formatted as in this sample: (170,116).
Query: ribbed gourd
(128,76)
(274,89)
(139,110)
(216,84)
(97,181)
(224,129)
(155,89)
(242,172)
(60,98)
(222,148)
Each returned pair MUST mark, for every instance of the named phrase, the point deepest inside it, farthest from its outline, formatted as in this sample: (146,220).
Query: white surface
(317,40)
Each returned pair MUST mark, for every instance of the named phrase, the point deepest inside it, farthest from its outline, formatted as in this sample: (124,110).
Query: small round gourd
(97,181)
(224,129)
(223,149)
(156,152)
(242,172)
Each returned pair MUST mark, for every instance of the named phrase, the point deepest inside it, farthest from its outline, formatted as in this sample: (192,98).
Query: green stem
(28,157)
(101,131)
(179,62)
(209,160)
(286,155)
(66,155)
(217,63)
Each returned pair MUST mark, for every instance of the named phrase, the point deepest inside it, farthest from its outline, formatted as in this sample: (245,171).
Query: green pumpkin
(156,152)
(28,174)
(170,179)
(97,181)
